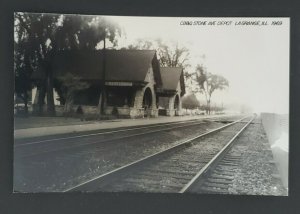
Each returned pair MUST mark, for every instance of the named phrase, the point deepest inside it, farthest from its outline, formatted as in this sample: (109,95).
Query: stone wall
(170,110)
(88,110)
(122,111)
(137,111)
(174,112)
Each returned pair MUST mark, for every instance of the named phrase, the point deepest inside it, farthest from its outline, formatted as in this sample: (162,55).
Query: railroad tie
(219,180)
(216,185)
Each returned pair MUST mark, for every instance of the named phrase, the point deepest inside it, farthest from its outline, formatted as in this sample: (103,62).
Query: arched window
(147,99)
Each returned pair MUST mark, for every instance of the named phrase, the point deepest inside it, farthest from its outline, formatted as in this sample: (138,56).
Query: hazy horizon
(255,59)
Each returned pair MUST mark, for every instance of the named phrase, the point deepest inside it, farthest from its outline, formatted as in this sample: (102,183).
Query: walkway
(73,125)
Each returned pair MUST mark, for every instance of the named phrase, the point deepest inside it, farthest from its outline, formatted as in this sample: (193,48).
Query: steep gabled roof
(120,65)
(171,76)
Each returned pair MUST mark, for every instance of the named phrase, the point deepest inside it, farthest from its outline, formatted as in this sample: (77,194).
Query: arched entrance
(147,102)
(176,105)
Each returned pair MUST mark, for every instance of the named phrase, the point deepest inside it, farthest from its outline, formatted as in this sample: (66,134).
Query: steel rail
(212,161)
(116,131)
(186,142)
(110,140)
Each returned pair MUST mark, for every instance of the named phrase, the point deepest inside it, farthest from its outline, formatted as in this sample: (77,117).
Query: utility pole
(102,96)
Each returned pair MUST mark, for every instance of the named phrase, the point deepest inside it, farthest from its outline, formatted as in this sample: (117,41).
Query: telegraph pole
(102,96)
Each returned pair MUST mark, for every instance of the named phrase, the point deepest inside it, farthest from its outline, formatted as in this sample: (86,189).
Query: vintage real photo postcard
(151,104)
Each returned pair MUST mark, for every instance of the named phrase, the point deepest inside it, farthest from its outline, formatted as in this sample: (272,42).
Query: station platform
(72,126)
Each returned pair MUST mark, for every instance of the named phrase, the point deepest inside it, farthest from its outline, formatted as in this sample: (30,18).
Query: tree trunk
(68,105)
(50,99)
(41,98)
(208,107)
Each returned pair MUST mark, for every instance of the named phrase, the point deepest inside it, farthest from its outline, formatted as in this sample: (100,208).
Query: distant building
(134,81)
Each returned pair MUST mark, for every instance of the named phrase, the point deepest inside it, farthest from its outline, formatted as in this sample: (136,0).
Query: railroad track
(46,139)
(38,147)
(217,177)
(172,170)
(37,140)
(218,173)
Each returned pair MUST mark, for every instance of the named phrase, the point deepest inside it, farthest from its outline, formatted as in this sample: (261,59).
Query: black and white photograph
(141,104)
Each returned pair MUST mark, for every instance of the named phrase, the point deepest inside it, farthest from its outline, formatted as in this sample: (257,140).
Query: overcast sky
(254,59)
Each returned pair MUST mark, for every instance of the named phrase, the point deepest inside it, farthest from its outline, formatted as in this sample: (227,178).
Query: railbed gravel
(256,173)
(65,169)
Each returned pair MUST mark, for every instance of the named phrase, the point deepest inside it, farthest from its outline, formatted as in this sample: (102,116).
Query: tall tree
(170,55)
(208,83)
(22,78)
(190,101)
(35,31)
(46,33)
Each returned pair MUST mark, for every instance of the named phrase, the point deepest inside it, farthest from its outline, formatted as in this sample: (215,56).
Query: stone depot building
(135,84)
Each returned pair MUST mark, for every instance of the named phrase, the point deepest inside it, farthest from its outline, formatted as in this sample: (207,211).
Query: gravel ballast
(256,173)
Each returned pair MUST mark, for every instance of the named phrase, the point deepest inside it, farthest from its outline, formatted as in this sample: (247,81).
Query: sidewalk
(100,125)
